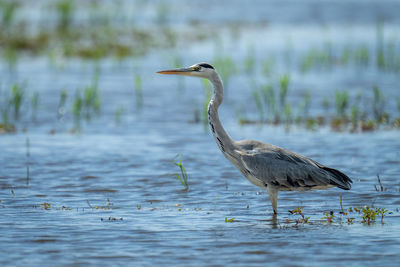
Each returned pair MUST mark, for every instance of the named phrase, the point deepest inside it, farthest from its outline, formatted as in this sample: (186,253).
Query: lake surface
(108,194)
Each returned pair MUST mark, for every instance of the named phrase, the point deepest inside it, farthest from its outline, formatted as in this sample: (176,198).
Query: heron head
(202,70)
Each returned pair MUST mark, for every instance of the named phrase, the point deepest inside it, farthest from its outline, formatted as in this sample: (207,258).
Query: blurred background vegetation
(243,47)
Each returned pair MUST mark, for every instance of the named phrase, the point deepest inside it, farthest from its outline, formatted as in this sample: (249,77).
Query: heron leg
(273,196)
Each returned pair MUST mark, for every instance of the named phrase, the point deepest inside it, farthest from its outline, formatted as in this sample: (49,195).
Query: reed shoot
(183,176)
(138,92)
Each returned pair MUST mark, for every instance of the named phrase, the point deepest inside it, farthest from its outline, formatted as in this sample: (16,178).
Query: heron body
(270,167)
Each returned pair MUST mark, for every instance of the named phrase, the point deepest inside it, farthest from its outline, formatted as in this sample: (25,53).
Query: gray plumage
(270,167)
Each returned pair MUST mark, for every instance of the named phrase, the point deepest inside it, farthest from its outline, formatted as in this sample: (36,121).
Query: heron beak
(182,71)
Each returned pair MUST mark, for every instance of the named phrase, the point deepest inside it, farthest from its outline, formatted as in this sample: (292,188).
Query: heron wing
(280,167)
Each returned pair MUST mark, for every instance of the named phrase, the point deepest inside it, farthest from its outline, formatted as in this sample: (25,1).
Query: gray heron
(270,167)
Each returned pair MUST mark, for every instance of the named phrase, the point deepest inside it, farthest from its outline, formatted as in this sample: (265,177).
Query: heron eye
(197,68)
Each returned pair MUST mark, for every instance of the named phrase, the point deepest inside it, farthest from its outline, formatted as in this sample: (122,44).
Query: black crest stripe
(205,65)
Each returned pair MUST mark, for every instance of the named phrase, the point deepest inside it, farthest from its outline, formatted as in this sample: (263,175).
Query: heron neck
(222,138)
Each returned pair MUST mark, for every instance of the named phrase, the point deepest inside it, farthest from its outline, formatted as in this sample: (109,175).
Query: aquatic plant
(355,113)
(396,122)
(17,97)
(311,123)
(109,203)
(368,125)
(305,105)
(307,62)
(138,92)
(106,39)
(46,205)
(287,111)
(368,215)
(5,125)
(264,98)
(380,53)
(10,55)
(5,109)
(162,10)
(379,103)
(283,90)
(35,104)
(77,107)
(108,206)
(350,220)
(183,176)
(345,55)
(267,66)
(268,95)
(265,101)
(64,9)
(324,58)
(91,101)
(89,40)
(350,114)
(341,103)
(321,58)
(299,211)
(328,216)
(118,113)
(382,212)
(83,106)
(361,56)
(8,9)
(259,104)
(229,220)
(179,208)
(226,68)
(354,117)
(61,104)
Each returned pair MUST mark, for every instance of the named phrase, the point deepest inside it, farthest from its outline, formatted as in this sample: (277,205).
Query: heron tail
(341,180)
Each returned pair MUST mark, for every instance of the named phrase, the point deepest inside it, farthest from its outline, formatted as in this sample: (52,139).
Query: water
(108,195)
(162,224)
